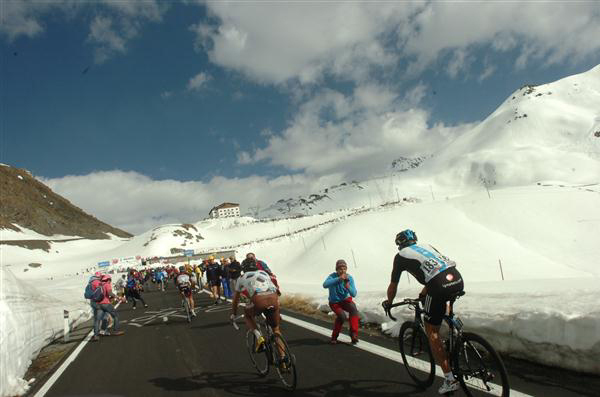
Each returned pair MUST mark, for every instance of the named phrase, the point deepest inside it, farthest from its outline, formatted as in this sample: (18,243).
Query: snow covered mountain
(545,132)
(539,133)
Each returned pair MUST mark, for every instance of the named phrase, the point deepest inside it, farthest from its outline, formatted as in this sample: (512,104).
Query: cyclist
(251,264)
(185,283)
(440,278)
(258,287)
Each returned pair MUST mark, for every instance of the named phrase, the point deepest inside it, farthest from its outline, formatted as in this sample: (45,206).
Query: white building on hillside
(225,210)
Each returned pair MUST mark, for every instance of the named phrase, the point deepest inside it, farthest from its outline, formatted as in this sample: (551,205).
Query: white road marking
(382,351)
(50,382)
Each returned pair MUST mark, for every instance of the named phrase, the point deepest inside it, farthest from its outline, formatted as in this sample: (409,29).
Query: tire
(416,354)
(479,367)
(288,375)
(260,360)
(188,313)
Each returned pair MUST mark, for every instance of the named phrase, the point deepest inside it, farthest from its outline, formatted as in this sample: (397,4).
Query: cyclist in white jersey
(441,280)
(186,284)
(258,287)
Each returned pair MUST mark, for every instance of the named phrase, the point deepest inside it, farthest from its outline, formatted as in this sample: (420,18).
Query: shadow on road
(251,384)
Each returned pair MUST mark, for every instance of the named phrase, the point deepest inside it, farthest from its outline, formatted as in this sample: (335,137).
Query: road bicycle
(275,352)
(188,312)
(186,305)
(473,361)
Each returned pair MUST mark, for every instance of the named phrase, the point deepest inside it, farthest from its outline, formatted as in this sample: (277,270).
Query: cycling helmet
(405,238)
(181,268)
(249,265)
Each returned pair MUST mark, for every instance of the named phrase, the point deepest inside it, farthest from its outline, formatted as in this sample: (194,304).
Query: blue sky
(236,97)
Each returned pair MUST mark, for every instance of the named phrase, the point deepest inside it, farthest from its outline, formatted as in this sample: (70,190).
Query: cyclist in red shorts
(258,287)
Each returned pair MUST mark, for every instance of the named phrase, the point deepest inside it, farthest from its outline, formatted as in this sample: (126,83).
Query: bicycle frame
(454,323)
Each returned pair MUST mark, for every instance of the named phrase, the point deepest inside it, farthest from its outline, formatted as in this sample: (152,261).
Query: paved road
(161,354)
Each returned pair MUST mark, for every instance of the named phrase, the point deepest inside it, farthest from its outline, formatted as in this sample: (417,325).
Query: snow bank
(29,320)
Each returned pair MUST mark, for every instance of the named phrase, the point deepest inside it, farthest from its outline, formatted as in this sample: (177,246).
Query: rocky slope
(28,203)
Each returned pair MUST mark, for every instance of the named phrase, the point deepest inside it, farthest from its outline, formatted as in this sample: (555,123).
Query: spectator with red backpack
(94,293)
(101,296)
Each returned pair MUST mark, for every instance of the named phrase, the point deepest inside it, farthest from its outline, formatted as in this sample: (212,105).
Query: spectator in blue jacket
(341,291)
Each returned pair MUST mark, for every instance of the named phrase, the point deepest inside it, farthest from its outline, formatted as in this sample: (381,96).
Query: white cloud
(487,72)
(166,94)
(114,23)
(276,43)
(105,37)
(136,203)
(356,136)
(198,81)
(540,30)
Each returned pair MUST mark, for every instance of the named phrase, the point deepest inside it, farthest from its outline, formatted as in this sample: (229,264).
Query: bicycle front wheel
(479,367)
(416,354)
(286,362)
(260,359)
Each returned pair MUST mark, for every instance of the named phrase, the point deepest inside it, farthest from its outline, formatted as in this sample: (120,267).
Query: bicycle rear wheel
(478,367)
(260,360)
(416,354)
(188,313)
(286,365)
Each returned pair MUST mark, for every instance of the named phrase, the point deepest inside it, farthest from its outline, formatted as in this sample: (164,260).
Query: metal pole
(303,243)
(323,241)
(432,196)
(501,272)
(353,258)
(67,329)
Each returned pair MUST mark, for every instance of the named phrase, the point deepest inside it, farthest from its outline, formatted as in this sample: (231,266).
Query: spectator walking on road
(133,290)
(159,277)
(225,277)
(341,291)
(235,270)
(120,286)
(107,309)
(213,277)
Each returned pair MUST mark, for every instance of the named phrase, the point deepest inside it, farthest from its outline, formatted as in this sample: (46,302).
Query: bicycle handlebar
(406,301)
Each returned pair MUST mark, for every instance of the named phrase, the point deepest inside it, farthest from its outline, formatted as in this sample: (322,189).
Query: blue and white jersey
(252,283)
(422,261)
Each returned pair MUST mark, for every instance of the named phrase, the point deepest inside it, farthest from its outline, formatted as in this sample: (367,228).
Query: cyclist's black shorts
(439,290)
(185,289)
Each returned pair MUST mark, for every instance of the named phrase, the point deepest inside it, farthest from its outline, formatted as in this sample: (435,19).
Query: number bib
(432,262)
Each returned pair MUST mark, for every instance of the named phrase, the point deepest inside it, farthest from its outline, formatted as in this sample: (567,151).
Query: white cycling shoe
(449,386)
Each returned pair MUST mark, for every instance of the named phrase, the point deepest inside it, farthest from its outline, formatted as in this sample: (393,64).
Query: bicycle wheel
(260,360)
(286,365)
(188,313)
(479,367)
(416,354)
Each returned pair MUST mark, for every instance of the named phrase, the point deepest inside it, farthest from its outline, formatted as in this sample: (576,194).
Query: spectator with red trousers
(341,291)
